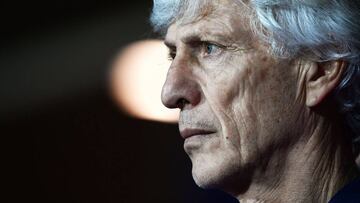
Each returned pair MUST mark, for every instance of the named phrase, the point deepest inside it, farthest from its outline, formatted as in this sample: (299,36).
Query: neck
(312,170)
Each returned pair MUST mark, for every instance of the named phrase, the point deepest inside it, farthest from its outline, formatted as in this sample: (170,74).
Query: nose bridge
(180,85)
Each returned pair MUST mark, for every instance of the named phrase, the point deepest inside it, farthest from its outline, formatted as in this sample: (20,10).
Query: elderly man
(269,95)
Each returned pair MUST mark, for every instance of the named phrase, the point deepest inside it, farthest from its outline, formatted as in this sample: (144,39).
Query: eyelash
(172,55)
(202,46)
(205,48)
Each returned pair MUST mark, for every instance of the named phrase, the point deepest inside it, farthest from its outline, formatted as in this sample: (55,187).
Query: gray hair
(318,29)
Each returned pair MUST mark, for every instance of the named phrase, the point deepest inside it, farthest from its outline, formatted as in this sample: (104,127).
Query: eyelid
(215,43)
(219,48)
(224,46)
(171,53)
(199,44)
(171,56)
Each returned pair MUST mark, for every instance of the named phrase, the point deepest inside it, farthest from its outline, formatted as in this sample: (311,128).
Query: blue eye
(210,49)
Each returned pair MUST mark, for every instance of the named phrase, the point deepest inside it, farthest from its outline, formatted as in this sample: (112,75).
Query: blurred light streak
(136,79)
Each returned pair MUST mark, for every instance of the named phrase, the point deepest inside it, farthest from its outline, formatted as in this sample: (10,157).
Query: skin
(267,137)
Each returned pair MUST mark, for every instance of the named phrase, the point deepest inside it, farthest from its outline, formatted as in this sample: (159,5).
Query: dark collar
(350,193)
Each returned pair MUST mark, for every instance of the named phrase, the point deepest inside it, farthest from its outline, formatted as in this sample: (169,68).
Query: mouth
(190,132)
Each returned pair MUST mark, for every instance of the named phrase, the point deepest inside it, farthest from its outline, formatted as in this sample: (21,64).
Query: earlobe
(322,79)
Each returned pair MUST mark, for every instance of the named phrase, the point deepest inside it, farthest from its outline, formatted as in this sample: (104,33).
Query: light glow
(136,78)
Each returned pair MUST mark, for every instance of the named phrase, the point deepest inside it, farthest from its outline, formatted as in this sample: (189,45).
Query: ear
(322,79)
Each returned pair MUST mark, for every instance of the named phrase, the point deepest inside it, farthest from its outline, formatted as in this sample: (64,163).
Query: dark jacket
(348,194)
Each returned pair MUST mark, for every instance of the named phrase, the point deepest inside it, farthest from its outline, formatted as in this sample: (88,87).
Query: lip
(189,132)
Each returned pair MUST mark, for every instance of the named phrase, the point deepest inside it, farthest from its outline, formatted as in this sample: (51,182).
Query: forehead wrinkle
(210,31)
(230,28)
(195,11)
(218,29)
(220,20)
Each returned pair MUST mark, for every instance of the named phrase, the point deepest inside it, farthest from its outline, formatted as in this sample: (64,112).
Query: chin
(213,172)
(205,179)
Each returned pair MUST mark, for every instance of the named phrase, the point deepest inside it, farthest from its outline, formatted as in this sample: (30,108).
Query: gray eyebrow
(169,44)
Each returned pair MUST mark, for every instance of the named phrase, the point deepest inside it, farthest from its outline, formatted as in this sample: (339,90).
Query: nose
(180,89)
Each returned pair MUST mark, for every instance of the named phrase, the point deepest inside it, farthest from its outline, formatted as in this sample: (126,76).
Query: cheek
(250,100)
(230,96)
(225,92)
(271,106)
(249,97)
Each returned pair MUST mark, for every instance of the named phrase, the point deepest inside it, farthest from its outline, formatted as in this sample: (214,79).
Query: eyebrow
(169,44)
(189,39)
(197,37)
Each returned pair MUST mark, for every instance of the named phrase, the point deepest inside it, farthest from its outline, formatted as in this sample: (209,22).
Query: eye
(210,49)
(172,54)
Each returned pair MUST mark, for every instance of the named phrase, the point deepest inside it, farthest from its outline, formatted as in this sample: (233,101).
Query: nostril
(181,103)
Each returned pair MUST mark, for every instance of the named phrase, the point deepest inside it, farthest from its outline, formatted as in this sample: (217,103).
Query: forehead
(223,19)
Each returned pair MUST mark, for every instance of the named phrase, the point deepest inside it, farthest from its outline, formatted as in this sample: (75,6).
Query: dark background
(64,140)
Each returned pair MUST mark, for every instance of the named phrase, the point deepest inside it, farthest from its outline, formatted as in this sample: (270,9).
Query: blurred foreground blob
(136,79)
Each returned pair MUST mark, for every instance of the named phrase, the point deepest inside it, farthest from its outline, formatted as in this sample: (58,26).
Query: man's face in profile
(237,102)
